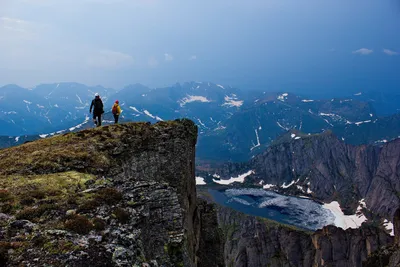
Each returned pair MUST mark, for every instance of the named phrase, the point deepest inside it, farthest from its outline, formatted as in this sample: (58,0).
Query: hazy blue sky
(271,44)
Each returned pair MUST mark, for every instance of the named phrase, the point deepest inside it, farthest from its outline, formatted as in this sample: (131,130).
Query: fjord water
(300,212)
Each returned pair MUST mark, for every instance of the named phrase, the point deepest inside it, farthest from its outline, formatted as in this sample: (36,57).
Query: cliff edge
(122,195)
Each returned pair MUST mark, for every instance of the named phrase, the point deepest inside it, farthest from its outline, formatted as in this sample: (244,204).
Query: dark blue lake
(300,212)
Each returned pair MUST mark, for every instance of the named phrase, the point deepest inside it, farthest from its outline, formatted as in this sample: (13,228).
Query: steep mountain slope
(234,124)
(113,196)
(385,103)
(46,108)
(328,169)
(20,110)
(207,104)
(250,241)
(73,98)
(256,125)
(124,195)
(377,130)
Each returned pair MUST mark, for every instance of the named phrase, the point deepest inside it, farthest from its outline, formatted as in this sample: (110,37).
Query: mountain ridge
(325,168)
(111,196)
(234,124)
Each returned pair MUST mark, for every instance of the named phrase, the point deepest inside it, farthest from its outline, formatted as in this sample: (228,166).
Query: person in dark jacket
(98,109)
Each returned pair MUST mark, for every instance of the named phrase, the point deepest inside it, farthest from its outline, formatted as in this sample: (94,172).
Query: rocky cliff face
(329,169)
(113,196)
(383,196)
(254,242)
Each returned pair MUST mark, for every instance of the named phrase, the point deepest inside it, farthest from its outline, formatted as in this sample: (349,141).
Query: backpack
(115,109)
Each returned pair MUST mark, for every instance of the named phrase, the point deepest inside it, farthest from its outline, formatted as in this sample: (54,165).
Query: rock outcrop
(211,244)
(125,195)
(253,242)
(119,195)
(328,169)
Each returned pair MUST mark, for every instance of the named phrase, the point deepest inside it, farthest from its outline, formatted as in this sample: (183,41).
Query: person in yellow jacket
(116,111)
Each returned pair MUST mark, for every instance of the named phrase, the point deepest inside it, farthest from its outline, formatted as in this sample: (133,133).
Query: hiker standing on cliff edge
(116,111)
(98,109)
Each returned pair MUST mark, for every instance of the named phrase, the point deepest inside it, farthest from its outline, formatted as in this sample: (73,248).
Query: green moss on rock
(79,224)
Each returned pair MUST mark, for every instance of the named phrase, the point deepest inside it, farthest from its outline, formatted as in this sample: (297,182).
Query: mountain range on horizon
(258,133)
(234,124)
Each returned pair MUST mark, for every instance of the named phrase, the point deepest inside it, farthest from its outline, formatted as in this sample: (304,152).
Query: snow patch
(307,100)
(280,125)
(220,128)
(220,86)
(361,122)
(200,181)
(258,141)
(282,97)
(201,123)
(27,102)
(346,221)
(79,125)
(152,116)
(136,110)
(300,188)
(79,99)
(193,98)
(239,179)
(289,185)
(293,135)
(232,101)
(268,186)
(16,139)
(333,116)
(389,226)
(358,93)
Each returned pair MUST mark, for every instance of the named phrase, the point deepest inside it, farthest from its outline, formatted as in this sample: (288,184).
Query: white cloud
(390,52)
(363,51)
(152,62)
(108,59)
(194,57)
(12,29)
(168,57)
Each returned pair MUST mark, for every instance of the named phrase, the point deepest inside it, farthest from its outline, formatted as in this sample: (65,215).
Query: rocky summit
(125,195)
(119,195)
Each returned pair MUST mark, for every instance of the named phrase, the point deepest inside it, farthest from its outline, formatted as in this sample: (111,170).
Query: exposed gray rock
(22,224)
(211,243)
(254,242)
(151,220)
(4,217)
(330,169)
